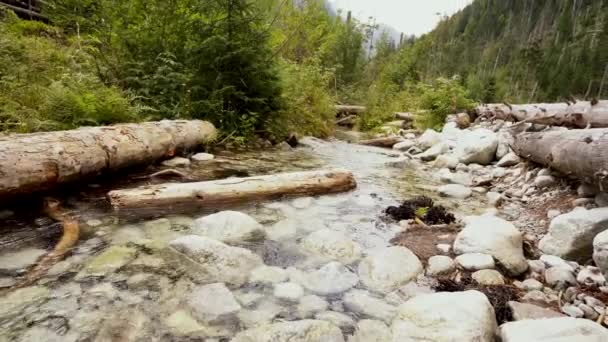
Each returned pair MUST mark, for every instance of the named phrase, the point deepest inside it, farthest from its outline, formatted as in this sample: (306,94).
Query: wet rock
(582,202)
(366,304)
(555,261)
(389,268)
(148,263)
(338,319)
(587,190)
(455,191)
(488,277)
(201,157)
(433,152)
(160,231)
(212,302)
(553,330)
(510,159)
(544,181)
(144,281)
(475,261)
(601,199)
(7,282)
(404,145)
(247,298)
(332,245)
(400,163)
(588,311)
(591,276)
(331,279)
(268,275)
(176,162)
(181,323)
(109,261)
(311,304)
(126,235)
(229,227)
(371,331)
(440,264)
(496,237)
(207,260)
(559,277)
(600,252)
(17,302)
(13,263)
(446,160)
(455,178)
(532,285)
(291,292)
(282,230)
(296,331)
(124,326)
(523,311)
(478,146)
(428,139)
(39,333)
(302,203)
(570,236)
(446,316)
(494,198)
(573,311)
(263,314)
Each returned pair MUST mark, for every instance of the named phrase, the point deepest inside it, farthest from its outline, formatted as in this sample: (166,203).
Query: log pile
(40,161)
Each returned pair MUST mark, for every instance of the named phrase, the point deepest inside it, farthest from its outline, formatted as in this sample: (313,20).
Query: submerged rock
(455,191)
(124,326)
(311,304)
(212,302)
(296,331)
(371,331)
(108,261)
(445,317)
(12,263)
(207,260)
(571,235)
(553,330)
(176,162)
(332,245)
(494,236)
(268,275)
(200,157)
(288,291)
(16,302)
(387,269)
(366,304)
(331,279)
(229,227)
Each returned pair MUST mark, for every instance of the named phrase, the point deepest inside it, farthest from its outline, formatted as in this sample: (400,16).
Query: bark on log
(347,109)
(576,115)
(234,190)
(387,142)
(348,121)
(39,161)
(581,153)
(407,117)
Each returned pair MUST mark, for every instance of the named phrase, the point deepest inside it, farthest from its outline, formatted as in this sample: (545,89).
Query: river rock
(404,145)
(559,277)
(455,178)
(283,230)
(445,317)
(12,263)
(601,199)
(371,331)
(16,302)
(523,311)
(544,181)
(182,324)
(212,302)
(511,159)
(229,227)
(331,279)
(201,157)
(108,262)
(475,261)
(494,236)
(338,319)
(268,275)
(439,264)
(366,304)
(38,333)
(571,235)
(488,277)
(455,191)
(428,139)
(291,292)
(295,331)
(207,260)
(494,198)
(433,152)
(591,276)
(387,269)
(563,329)
(176,162)
(332,245)
(532,285)
(123,325)
(478,146)
(600,252)
(573,311)
(555,261)
(311,304)
(446,160)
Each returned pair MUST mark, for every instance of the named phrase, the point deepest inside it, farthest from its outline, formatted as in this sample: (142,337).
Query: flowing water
(134,294)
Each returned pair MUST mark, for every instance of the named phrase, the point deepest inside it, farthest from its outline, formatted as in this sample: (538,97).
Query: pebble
(488,277)
(542,181)
(573,311)
(199,157)
(440,264)
(588,311)
(444,248)
(494,198)
(559,277)
(475,261)
(532,285)
(176,162)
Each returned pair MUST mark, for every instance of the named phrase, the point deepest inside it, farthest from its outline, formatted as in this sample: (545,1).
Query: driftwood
(348,121)
(40,161)
(576,115)
(387,142)
(582,153)
(347,109)
(407,117)
(234,190)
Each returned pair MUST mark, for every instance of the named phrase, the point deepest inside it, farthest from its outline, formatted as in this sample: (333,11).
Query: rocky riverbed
(516,266)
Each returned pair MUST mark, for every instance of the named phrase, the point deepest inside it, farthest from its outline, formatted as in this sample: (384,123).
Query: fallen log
(348,109)
(387,142)
(407,117)
(40,161)
(348,121)
(576,115)
(234,190)
(582,153)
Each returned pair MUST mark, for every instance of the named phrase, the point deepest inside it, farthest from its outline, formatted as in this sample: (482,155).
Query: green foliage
(440,99)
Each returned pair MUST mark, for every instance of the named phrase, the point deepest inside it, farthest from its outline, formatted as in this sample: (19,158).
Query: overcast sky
(408,16)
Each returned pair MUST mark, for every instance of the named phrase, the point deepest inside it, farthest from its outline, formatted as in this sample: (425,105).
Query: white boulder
(387,269)
(562,329)
(331,279)
(439,264)
(366,304)
(332,245)
(212,302)
(475,261)
(478,146)
(201,157)
(428,139)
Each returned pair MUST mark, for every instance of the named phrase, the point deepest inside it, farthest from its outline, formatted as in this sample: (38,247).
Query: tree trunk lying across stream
(234,190)
(580,152)
(39,161)
(577,115)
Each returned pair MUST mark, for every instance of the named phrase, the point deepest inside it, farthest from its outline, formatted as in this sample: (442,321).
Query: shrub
(440,99)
